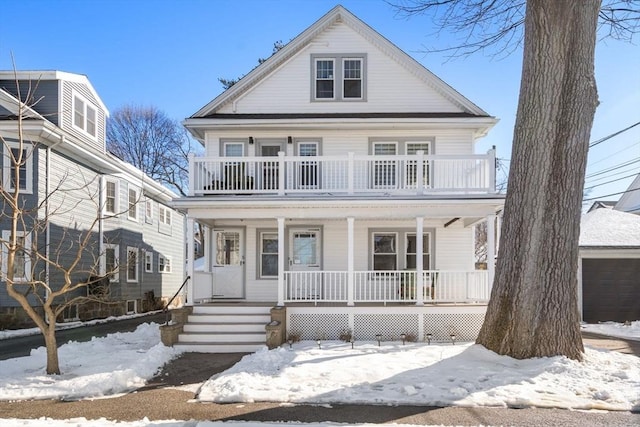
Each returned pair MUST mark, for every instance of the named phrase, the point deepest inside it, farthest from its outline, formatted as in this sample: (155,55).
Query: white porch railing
(350,174)
(386,286)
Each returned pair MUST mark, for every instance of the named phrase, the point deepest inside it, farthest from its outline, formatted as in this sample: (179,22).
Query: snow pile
(110,365)
(613,329)
(419,374)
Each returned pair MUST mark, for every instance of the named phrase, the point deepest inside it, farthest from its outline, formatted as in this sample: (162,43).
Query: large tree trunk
(533,311)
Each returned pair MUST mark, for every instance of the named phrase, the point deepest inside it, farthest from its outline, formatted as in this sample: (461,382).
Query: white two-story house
(340,181)
(71,187)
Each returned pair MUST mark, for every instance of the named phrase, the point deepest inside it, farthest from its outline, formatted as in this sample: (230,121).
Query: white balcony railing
(349,174)
(386,286)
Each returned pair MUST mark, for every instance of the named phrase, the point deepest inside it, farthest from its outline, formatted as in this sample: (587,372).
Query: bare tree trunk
(533,310)
(53,364)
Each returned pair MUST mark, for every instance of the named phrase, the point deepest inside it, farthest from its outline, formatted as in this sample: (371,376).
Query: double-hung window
(111,197)
(132,264)
(111,262)
(268,255)
(352,78)
(384,171)
(338,77)
(165,215)
(148,262)
(84,116)
(164,264)
(133,204)
(324,79)
(22,258)
(17,160)
(385,251)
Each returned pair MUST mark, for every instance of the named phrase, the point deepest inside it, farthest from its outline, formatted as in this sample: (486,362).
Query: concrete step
(226,327)
(232,309)
(237,347)
(229,318)
(220,337)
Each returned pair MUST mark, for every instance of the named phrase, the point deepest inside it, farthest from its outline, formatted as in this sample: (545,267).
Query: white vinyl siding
(290,84)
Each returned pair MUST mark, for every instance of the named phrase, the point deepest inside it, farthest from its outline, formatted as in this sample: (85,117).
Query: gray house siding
(29,202)
(44,92)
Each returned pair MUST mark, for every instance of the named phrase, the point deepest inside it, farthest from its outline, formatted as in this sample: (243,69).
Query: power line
(632,169)
(609,195)
(609,182)
(613,168)
(601,140)
(611,155)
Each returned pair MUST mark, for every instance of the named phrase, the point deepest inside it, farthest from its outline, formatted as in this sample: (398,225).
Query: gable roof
(37,75)
(610,228)
(338,15)
(630,200)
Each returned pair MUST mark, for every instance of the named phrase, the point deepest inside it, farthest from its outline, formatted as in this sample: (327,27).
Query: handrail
(166,307)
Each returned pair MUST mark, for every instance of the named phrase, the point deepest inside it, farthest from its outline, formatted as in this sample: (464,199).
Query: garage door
(610,290)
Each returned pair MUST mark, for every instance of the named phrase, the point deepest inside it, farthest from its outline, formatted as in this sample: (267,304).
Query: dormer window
(338,77)
(84,116)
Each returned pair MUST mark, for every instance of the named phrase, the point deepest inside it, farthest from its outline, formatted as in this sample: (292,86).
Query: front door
(304,259)
(228,263)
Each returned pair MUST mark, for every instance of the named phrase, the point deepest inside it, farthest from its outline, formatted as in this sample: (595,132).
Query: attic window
(84,116)
(338,77)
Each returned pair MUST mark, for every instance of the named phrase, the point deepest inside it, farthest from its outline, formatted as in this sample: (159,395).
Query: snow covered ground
(463,374)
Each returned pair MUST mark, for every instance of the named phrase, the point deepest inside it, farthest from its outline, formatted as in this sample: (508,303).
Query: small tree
(227,83)
(37,273)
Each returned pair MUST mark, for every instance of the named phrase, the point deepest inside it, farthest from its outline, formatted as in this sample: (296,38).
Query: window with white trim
(21,260)
(324,77)
(84,115)
(111,262)
(148,210)
(411,174)
(385,251)
(14,158)
(352,78)
(148,262)
(384,171)
(165,215)
(133,204)
(268,255)
(164,264)
(338,77)
(111,197)
(132,264)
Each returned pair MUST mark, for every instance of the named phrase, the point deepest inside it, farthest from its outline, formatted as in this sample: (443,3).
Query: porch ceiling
(469,210)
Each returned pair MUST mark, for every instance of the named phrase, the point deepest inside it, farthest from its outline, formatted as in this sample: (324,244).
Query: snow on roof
(607,227)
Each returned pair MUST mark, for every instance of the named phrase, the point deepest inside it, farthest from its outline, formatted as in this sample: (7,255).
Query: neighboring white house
(340,181)
(609,266)
(630,200)
(70,179)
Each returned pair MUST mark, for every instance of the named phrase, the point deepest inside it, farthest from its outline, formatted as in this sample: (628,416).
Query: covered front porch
(380,255)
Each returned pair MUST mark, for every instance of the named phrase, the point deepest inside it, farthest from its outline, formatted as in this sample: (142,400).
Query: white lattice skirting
(326,323)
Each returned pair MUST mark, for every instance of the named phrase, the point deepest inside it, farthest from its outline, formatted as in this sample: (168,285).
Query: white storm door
(228,263)
(304,260)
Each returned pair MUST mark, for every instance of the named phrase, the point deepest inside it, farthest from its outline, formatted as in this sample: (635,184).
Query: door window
(412,167)
(411,250)
(228,248)
(305,248)
(308,170)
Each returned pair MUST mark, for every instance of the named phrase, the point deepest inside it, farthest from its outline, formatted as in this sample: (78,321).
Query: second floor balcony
(349,174)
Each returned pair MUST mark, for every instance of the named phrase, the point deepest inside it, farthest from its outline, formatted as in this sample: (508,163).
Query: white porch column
(207,246)
(350,259)
(419,261)
(281,256)
(491,248)
(190,251)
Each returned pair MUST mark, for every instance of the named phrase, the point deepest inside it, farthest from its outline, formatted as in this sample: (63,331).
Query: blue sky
(170,53)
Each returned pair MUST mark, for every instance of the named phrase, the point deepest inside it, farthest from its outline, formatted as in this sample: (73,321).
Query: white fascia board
(197,124)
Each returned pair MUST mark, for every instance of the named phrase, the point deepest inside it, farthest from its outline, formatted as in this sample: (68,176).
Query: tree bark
(533,311)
